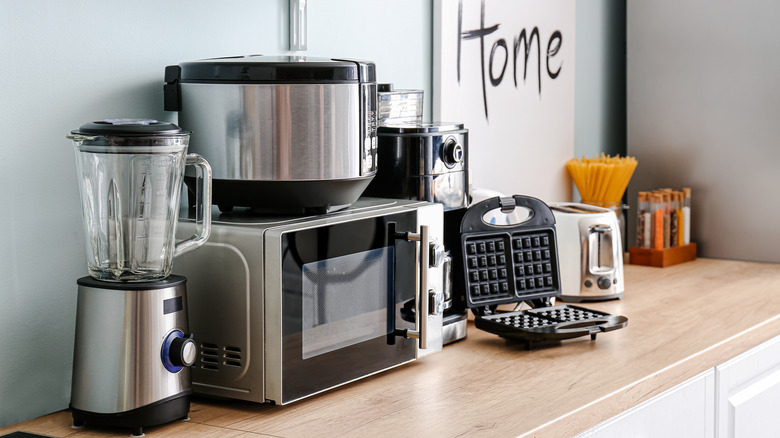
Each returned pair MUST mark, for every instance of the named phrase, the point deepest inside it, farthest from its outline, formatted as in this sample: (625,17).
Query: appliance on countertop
(133,348)
(590,252)
(287,307)
(399,106)
(509,255)
(429,162)
(426,161)
(283,134)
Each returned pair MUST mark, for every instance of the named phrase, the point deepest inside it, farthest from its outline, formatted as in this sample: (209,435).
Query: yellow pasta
(601,180)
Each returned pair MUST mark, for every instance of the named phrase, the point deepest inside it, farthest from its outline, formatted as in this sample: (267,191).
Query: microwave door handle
(422,310)
(422,260)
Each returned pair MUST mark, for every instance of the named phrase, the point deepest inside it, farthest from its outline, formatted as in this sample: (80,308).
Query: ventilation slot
(232,357)
(209,356)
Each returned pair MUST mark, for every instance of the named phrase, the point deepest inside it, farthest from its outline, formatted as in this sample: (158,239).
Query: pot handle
(204,202)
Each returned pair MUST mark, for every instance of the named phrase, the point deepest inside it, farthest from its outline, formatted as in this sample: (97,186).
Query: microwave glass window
(345,300)
(345,288)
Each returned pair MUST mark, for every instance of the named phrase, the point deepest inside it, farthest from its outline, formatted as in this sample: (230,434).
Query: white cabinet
(748,391)
(737,399)
(687,410)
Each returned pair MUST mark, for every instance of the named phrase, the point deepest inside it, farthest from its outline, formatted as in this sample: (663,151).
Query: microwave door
(344,287)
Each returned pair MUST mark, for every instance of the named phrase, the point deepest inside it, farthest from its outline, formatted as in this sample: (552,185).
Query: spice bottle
(686,215)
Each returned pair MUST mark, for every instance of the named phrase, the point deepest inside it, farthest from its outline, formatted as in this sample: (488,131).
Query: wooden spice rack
(662,257)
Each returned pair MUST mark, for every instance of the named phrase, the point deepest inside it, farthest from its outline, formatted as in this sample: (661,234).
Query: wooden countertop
(683,320)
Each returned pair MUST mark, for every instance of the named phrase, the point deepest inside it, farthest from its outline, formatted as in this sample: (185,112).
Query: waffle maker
(508,255)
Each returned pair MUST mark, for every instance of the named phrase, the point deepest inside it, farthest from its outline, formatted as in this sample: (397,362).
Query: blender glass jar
(130,177)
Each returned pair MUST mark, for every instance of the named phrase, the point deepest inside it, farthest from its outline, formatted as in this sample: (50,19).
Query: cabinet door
(748,388)
(687,410)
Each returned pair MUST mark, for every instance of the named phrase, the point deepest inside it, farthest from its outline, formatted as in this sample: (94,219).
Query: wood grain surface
(683,320)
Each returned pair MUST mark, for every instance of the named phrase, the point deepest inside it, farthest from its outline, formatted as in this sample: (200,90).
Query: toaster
(590,252)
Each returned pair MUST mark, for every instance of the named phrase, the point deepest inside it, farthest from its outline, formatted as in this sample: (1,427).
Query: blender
(132,346)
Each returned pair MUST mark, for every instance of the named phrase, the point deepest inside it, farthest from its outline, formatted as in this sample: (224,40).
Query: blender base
(162,411)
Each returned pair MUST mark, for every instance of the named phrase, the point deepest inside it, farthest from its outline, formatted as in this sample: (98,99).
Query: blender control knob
(452,152)
(604,283)
(183,351)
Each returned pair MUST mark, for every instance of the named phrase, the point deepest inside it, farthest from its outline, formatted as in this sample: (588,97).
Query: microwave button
(437,254)
(436,301)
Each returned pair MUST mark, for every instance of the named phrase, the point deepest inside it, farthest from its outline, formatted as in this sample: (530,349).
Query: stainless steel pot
(282,133)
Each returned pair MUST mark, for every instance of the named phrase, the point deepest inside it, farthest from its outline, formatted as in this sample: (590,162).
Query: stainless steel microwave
(284,308)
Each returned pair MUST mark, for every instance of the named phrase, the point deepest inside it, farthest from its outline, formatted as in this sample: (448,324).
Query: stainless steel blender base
(122,371)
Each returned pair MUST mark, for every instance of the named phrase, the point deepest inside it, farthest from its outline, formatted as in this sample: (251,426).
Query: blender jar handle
(205,204)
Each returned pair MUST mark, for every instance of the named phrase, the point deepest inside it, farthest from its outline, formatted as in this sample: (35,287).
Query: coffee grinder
(132,347)
(429,162)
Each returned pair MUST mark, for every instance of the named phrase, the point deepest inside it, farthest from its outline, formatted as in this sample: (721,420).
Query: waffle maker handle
(540,214)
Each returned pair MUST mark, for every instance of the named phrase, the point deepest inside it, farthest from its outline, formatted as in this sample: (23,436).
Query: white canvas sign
(505,68)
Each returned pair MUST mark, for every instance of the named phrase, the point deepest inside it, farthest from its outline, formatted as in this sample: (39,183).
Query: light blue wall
(66,63)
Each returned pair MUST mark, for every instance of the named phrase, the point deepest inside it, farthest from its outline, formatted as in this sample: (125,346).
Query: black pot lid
(128,127)
(272,69)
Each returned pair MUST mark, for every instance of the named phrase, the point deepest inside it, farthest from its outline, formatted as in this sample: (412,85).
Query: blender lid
(128,127)
(271,69)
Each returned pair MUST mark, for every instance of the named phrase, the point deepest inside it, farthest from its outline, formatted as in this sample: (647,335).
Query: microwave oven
(284,308)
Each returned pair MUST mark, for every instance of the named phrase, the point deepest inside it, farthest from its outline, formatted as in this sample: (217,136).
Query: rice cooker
(283,134)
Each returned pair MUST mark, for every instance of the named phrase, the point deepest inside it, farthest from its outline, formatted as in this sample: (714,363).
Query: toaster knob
(604,283)
(452,152)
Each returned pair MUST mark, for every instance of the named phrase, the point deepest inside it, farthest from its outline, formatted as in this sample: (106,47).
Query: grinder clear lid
(421,128)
